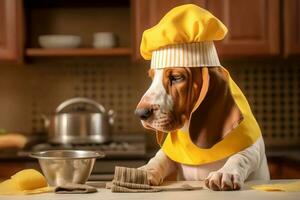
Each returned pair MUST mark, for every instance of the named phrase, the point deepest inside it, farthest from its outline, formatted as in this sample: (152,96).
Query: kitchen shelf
(40,52)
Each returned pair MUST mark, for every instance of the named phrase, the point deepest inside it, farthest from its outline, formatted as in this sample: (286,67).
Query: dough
(28,181)
(284,187)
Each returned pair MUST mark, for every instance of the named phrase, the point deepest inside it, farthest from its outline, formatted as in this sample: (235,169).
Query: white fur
(157,95)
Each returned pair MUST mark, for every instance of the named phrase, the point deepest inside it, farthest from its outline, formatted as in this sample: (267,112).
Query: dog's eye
(175,79)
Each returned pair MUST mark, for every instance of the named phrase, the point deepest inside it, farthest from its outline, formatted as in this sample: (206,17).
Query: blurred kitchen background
(261,51)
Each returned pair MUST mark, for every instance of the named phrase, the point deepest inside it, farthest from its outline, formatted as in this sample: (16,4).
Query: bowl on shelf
(62,167)
(105,40)
(59,41)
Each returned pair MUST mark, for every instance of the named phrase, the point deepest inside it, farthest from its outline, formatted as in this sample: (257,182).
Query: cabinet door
(253,27)
(7,168)
(11,31)
(291,22)
(147,13)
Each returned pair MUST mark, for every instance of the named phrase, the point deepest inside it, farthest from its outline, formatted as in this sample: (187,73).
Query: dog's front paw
(223,181)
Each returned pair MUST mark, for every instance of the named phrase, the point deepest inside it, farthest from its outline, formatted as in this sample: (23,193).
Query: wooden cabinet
(7,169)
(11,30)
(284,168)
(291,21)
(82,18)
(253,25)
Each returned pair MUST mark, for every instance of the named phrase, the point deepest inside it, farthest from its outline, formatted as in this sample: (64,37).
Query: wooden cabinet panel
(290,172)
(7,169)
(253,25)
(275,170)
(11,31)
(158,8)
(291,20)
(284,168)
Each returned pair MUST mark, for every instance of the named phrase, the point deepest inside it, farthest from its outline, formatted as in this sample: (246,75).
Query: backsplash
(29,91)
(37,88)
(272,90)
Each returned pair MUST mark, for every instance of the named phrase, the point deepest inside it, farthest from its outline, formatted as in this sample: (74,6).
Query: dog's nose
(143,113)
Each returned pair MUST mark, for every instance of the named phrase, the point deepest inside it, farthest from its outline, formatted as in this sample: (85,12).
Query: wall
(28,91)
(39,87)
(272,88)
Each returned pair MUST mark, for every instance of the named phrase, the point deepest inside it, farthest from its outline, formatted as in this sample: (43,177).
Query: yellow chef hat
(183,38)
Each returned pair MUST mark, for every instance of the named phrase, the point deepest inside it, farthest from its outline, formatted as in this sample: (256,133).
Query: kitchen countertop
(271,152)
(24,156)
(246,194)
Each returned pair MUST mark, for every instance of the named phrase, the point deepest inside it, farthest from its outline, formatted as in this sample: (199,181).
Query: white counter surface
(246,194)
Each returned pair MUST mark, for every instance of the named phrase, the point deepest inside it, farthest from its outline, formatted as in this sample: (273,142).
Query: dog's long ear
(217,114)
(160,137)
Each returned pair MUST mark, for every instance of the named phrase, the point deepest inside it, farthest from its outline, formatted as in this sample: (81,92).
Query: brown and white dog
(167,105)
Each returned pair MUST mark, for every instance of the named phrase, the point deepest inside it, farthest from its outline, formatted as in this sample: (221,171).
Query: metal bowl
(61,167)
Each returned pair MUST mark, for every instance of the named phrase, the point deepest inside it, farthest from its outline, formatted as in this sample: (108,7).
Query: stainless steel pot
(80,125)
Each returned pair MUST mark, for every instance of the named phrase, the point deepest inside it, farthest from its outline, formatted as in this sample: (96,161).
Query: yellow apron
(179,147)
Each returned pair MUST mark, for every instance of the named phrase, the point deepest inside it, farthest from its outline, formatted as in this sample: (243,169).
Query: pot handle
(46,121)
(76,100)
(112,116)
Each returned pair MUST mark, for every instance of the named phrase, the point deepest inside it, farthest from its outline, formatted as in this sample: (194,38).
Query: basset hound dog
(167,105)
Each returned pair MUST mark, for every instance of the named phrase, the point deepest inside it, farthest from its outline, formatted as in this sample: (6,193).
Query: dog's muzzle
(143,113)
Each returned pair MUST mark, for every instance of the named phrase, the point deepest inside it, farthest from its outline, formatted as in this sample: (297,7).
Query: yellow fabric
(283,187)
(183,24)
(28,181)
(179,147)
